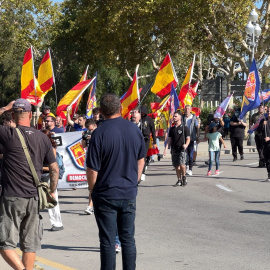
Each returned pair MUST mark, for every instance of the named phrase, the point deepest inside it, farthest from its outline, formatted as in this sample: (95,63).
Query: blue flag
(251,98)
(174,103)
(92,101)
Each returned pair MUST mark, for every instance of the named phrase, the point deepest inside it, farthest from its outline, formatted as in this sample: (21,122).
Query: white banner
(69,146)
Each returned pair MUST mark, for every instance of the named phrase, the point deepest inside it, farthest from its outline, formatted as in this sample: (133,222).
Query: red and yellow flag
(191,94)
(186,85)
(163,105)
(28,74)
(73,95)
(76,104)
(44,82)
(130,100)
(45,73)
(165,76)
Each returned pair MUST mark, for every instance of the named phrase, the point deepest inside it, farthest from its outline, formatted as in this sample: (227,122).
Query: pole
(251,138)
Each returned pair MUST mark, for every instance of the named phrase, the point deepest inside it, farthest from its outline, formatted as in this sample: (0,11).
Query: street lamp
(253,31)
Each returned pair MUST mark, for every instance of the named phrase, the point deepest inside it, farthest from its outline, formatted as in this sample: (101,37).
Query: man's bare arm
(68,117)
(140,167)
(54,176)
(7,107)
(91,178)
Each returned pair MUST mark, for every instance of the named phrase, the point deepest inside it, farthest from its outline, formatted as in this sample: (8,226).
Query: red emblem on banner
(250,86)
(77,154)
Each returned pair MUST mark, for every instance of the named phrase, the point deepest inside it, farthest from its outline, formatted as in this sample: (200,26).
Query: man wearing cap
(46,111)
(19,209)
(81,121)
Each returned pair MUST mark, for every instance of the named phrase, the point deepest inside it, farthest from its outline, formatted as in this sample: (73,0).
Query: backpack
(59,160)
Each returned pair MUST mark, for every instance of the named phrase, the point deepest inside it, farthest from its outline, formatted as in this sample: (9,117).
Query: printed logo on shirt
(29,132)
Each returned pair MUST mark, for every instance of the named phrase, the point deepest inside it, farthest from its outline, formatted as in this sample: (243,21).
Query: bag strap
(28,157)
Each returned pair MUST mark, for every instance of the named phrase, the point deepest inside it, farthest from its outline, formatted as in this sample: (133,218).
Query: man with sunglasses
(50,125)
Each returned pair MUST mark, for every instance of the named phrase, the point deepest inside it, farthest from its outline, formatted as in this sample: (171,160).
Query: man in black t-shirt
(237,133)
(19,209)
(178,139)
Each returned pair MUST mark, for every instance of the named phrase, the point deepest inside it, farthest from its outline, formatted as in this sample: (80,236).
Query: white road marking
(253,163)
(224,188)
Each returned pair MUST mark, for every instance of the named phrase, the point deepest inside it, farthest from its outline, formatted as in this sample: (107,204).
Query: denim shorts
(179,158)
(20,220)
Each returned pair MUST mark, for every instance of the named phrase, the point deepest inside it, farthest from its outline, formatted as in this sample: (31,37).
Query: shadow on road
(93,249)
(255,212)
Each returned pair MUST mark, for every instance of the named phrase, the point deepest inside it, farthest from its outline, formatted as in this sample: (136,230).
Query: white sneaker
(143,177)
(117,248)
(89,210)
(189,172)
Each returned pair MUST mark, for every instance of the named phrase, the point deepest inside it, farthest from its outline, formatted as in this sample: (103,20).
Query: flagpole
(53,78)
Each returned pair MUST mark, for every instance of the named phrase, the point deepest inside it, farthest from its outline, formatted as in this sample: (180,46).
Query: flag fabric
(36,96)
(221,109)
(76,104)
(73,95)
(255,125)
(163,105)
(265,95)
(28,74)
(196,111)
(185,88)
(251,98)
(191,94)
(174,103)
(45,73)
(44,82)
(92,100)
(165,77)
(131,98)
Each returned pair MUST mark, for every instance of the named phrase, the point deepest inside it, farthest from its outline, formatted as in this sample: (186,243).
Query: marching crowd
(111,142)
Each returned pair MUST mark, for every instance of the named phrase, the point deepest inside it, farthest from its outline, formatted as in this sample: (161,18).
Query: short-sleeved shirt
(237,131)
(213,141)
(77,127)
(179,136)
(114,150)
(58,130)
(17,179)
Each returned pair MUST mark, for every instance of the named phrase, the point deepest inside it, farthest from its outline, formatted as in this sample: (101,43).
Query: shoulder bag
(46,200)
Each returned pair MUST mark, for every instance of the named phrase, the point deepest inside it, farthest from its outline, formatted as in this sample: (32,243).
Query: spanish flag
(130,100)
(45,73)
(163,105)
(186,84)
(191,94)
(165,76)
(28,74)
(76,104)
(73,95)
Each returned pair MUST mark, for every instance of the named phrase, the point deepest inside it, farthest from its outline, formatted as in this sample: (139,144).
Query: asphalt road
(218,222)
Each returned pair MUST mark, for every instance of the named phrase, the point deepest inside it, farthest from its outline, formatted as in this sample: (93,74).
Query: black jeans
(259,145)
(147,143)
(110,215)
(237,143)
(266,152)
